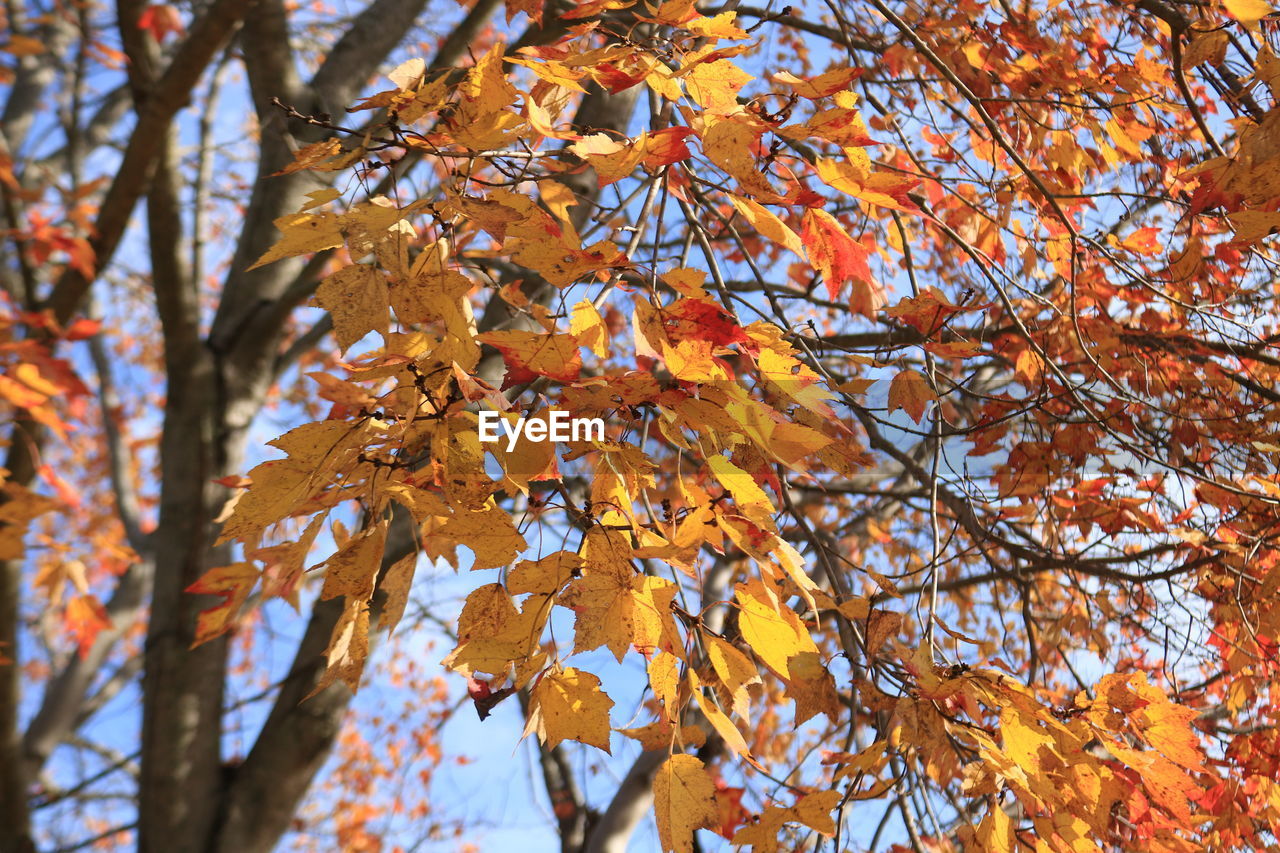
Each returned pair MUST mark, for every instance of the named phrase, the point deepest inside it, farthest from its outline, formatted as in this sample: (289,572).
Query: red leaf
(161,20)
(84,618)
(65,492)
(840,258)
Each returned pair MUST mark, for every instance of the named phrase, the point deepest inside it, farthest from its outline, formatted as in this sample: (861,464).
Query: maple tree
(937,348)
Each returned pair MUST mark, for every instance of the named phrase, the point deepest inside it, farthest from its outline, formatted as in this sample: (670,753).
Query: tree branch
(145,144)
(298,735)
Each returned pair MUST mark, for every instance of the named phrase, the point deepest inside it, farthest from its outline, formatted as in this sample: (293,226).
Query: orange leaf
(910,392)
(839,258)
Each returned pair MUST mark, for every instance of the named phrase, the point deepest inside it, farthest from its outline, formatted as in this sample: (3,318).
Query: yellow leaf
(715,86)
(731,145)
(532,353)
(589,328)
(567,704)
(233,583)
(813,810)
(356,297)
(767,223)
(821,86)
(396,585)
(722,724)
(995,833)
(735,671)
(749,497)
(490,534)
(348,648)
(664,678)
(772,629)
(555,73)
(492,633)
(311,156)
(1252,225)
(684,800)
(617,607)
(721,27)
(1247,12)
(812,687)
(302,234)
(662,734)
(544,576)
(353,570)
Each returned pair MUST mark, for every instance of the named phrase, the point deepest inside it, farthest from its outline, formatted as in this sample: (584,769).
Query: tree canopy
(937,352)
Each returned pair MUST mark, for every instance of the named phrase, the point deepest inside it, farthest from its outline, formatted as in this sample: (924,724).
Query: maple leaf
(615,606)
(812,810)
(490,534)
(684,800)
(492,633)
(995,833)
(84,618)
(568,704)
(233,583)
(750,498)
(928,312)
(910,392)
(823,85)
(348,648)
(661,734)
(839,259)
(715,85)
(545,576)
(353,570)
(767,223)
(396,586)
(302,234)
(529,355)
(161,20)
(356,298)
(735,671)
(1248,12)
(719,721)
(772,629)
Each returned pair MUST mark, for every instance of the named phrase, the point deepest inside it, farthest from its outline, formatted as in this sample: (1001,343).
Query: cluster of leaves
(938,372)
(711,414)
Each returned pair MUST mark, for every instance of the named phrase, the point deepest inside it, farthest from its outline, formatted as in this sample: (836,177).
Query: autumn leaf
(615,606)
(529,355)
(567,704)
(735,671)
(838,258)
(813,811)
(356,298)
(490,534)
(160,20)
(772,629)
(1247,12)
(302,234)
(684,800)
(233,583)
(353,570)
(84,618)
(910,392)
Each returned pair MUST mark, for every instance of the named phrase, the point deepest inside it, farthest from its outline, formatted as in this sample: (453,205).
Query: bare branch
(145,144)
(117,458)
